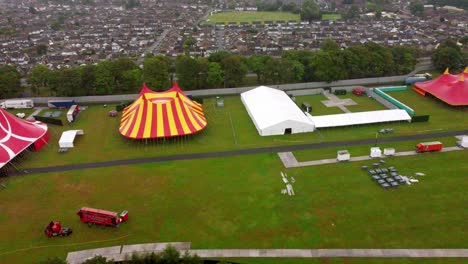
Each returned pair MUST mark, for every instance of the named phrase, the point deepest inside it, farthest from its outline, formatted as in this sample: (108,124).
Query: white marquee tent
(67,138)
(360,118)
(274,113)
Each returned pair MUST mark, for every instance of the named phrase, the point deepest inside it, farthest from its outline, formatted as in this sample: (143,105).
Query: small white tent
(67,138)
(274,113)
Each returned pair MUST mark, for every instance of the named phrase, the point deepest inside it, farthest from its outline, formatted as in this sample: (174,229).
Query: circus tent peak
(161,115)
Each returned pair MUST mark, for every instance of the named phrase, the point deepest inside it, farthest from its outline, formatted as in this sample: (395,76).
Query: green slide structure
(381,91)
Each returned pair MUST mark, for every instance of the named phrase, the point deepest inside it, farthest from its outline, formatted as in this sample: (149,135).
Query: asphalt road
(218,154)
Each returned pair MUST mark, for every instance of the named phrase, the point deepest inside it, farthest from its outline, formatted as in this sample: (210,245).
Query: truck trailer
(66,103)
(17,104)
(429,146)
(93,216)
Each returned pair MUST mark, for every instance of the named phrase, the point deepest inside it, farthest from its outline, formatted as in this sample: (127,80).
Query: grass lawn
(318,108)
(364,103)
(249,17)
(219,203)
(229,128)
(27,111)
(331,16)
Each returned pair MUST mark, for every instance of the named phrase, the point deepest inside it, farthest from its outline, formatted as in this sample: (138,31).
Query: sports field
(331,16)
(236,202)
(249,17)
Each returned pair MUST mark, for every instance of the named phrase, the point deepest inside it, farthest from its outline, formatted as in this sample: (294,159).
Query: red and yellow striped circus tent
(162,115)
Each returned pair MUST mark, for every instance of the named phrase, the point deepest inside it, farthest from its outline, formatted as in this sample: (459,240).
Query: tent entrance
(288,131)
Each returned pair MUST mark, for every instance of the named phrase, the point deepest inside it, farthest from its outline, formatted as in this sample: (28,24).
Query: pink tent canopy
(17,134)
(452,89)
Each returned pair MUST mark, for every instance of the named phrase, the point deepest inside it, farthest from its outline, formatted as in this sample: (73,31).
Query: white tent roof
(360,118)
(268,106)
(67,138)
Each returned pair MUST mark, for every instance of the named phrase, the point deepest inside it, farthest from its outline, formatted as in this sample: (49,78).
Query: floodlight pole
(376,137)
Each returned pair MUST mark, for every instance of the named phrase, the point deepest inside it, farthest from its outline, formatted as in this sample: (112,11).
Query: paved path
(229,153)
(36,112)
(119,253)
(289,161)
(334,101)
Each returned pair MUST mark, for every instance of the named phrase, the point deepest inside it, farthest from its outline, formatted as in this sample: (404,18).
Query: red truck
(93,216)
(429,146)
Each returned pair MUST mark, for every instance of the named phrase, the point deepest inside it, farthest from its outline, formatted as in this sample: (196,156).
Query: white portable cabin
(375,152)
(389,151)
(67,138)
(71,113)
(463,142)
(17,104)
(274,113)
(343,155)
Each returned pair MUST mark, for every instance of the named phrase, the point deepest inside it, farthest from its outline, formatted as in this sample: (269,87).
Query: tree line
(223,69)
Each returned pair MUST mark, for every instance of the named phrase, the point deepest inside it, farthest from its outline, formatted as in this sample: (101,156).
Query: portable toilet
(389,151)
(375,152)
(343,155)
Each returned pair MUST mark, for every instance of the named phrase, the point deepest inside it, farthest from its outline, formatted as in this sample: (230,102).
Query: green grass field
(236,202)
(249,17)
(331,16)
(215,203)
(103,142)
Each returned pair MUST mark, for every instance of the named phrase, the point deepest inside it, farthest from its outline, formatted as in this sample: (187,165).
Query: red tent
(161,115)
(17,134)
(452,89)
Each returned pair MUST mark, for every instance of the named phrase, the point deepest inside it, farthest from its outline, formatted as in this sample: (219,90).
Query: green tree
(448,57)
(188,45)
(404,60)
(215,75)
(97,260)
(202,78)
(234,70)
(104,78)
(39,78)
(170,255)
(156,73)
(352,63)
(187,72)
(41,49)
(218,56)
(123,78)
(310,10)
(329,44)
(10,82)
(291,71)
(256,64)
(353,12)
(88,79)
(329,66)
(69,82)
(416,7)
(271,71)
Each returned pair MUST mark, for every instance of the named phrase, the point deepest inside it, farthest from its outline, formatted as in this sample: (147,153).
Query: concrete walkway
(36,112)
(289,161)
(120,253)
(334,101)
